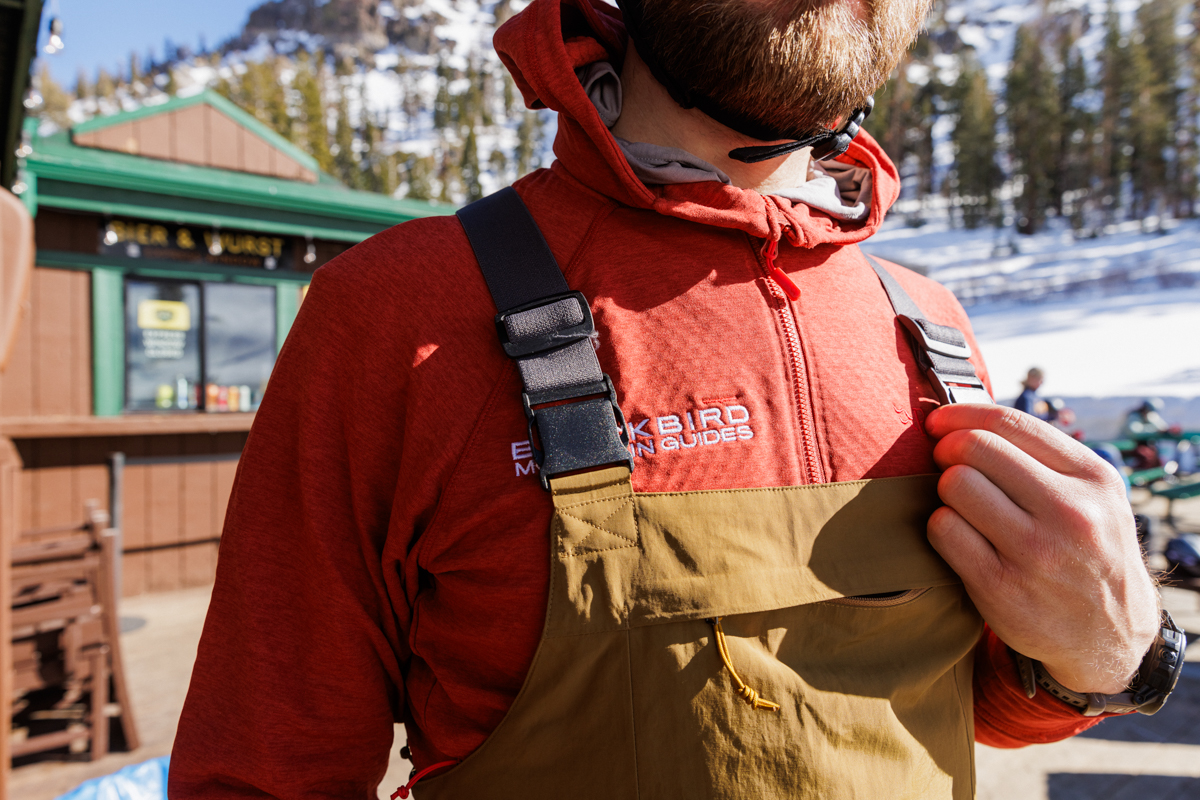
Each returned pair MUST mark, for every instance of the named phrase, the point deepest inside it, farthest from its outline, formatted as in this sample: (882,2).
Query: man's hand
(1039,529)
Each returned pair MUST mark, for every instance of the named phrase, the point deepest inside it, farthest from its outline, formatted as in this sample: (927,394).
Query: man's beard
(792,65)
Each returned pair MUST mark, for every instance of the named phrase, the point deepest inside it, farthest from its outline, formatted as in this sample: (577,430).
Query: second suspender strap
(941,351)
(547,329)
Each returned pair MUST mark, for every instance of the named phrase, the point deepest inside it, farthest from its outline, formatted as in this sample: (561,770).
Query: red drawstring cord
(770,251)
(403,792)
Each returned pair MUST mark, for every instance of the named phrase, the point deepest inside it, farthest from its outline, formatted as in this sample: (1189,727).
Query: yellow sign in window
(164,315)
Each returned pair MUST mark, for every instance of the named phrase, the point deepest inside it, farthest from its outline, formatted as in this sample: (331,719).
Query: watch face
(1163,667)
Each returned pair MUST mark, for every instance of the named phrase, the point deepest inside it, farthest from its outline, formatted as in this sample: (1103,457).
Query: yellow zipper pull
(745,692)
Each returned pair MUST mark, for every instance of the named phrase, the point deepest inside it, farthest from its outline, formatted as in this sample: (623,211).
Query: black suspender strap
(941,351)
(547,329)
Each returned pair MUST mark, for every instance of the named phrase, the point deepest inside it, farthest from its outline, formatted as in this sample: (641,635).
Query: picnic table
(1173,492)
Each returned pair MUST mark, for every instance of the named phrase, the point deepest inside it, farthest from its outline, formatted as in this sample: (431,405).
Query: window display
(162,345)
(239,344)
(193,346)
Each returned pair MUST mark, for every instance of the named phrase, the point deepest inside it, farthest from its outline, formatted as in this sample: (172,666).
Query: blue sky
(101,33)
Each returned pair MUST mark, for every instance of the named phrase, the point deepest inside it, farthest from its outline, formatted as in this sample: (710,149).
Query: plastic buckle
(553,339)
(945,391)
(539,454)
(933,345)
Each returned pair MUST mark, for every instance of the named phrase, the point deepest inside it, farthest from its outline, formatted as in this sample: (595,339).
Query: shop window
(162,346)
(239,344)
(192,346)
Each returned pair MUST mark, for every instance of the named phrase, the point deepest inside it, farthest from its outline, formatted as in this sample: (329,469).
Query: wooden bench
(68,677)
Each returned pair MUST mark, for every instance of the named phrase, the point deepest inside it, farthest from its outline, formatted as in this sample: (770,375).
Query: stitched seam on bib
(585,551)
(777,489)
(581,551)
(627,497)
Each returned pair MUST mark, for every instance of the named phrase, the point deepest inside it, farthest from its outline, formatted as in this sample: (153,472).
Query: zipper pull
(770,251)
(403,792)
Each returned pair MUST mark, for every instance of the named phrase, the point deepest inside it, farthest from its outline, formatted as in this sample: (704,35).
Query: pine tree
(105,86)
(1189,153)
(1072,175)
(55,100)
(1116,147)
(275,105)
(382,173)
(894,122)
(442,111)
(470,103)
(377,168)
(313,109)
(419,176)
(412,102)
(510,95)
(883,116)
(83,90)
(1031,112)
(921,135)
(1155,118)
(498,162)
(469,166)
(449,173)
(529,141)
(976,175)
(345,164)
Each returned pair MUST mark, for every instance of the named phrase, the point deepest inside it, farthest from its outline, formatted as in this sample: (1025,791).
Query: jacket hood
(543,46)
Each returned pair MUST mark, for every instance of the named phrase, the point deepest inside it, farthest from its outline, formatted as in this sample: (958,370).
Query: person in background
(1146,421)
(1053,410)
(1029,401)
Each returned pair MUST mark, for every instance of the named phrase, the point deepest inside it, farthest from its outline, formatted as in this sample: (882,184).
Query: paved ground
(1134,758)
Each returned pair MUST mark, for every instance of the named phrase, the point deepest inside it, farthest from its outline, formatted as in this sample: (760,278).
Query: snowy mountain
(416,84)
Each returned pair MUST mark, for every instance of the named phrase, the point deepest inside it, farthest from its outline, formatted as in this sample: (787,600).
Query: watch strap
(1155,680)
(1091,704)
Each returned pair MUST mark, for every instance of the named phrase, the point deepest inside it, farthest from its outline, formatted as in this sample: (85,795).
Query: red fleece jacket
(385,554)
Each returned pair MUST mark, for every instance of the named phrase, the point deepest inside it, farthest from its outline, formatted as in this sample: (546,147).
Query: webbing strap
(547,329)
(512,253)
(942,351)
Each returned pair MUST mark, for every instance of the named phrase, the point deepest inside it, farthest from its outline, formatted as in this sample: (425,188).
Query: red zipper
(403,792)
(770,251)
(783,288)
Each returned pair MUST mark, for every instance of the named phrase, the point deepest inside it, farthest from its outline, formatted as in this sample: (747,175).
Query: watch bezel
(1161,668)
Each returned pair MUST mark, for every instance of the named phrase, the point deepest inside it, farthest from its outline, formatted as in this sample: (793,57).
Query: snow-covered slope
(1112,318)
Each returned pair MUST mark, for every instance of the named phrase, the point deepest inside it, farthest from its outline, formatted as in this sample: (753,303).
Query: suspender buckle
(937,338)
(942,352)
(545,324)
(957,388)
(577,435)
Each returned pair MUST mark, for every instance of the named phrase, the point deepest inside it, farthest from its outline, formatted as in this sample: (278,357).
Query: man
(1053,410)
(1028,400)
(756,611)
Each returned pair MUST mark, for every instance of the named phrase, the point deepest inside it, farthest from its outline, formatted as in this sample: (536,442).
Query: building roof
(67,175)
(18,36)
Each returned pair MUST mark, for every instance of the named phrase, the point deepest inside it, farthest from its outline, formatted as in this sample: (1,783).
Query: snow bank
(1111,320)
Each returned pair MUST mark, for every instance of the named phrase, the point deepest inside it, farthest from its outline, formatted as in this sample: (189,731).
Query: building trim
(108,342)
(158,268)
(65,427)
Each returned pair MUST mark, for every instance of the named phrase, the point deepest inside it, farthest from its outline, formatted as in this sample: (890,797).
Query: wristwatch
(1155,679)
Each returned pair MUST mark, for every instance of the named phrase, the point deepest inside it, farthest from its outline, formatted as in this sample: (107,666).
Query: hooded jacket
(385,552)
